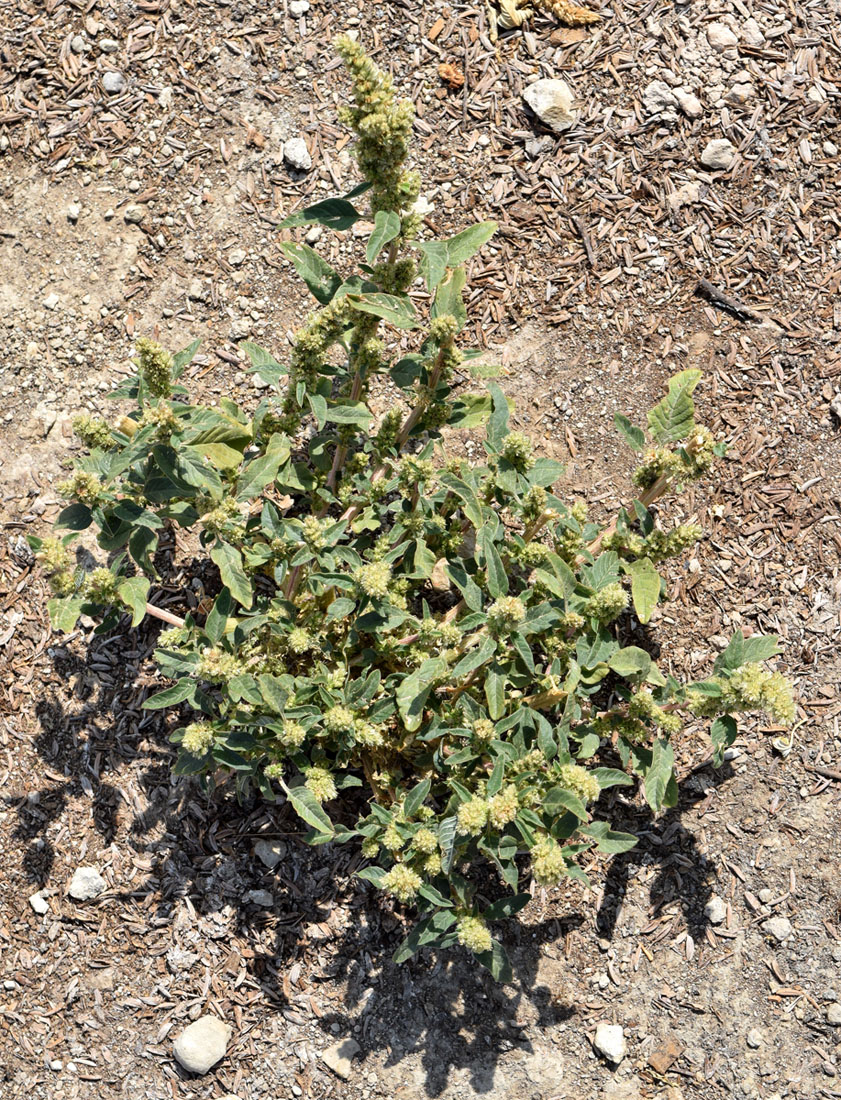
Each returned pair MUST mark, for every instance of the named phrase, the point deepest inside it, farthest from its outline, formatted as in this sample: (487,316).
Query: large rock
(609,1041)
(296,154)
(718,154)
(720,37)
(551,101)
(778,927)
(202,1044)
(338,1057)
(87,883)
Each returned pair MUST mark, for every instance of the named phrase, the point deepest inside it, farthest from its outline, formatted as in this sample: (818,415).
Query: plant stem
(164,616)
(648,497)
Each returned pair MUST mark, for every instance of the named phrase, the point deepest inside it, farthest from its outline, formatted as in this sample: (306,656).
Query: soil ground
(152,208)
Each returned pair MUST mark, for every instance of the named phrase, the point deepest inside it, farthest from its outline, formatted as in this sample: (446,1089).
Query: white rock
(715,910)
(197,291)
(237,256)
(298,8)
(39,904)
(778,927)
(270,852)
(718,154)
(79,44)
(754,1038)
(690,104)
(73,212)
(260,897)
(609,1041)
(296,154)
(830,148)
(113,82)
(87,883)
(240,328)
(659,99)
(751,33)
(833,1015)
(686,193)
(133,214)
(202,1044)
(720,37)
(740,93)
(551,101)
(108,45)
(51,301)
(338,1057)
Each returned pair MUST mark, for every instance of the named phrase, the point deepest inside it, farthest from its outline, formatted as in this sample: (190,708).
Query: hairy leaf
(320,277)
(674,418)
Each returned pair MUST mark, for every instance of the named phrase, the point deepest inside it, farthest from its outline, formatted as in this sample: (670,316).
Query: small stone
(754,1038)
(720,37)
(133,214)
(686,193)
(297,8)
(87,883)
(833,1015)
(659,99)
(830,148)
(202,1044)
(609,1041)
(718,154)
(338,1057)
(751,33)
(56,1065)
(296,154)
(664,1055)
(270,852)
(740,93)
(51,301)
(715,910)
(73,212)
(690,104)
(237,256)
(79,44)
(778,927)
(108,45)
(260,897)
(766,895)
(197,290)
(551,101)
(39,904)
(113,82)
(240,328)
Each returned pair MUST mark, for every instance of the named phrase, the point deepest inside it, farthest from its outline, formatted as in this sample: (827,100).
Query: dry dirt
(588,295)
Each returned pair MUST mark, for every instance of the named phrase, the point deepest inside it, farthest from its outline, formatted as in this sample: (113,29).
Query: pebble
(551,101)
(133,214)
(296,154)
(87,883)
(715,910)
(237,256)
(720,37)
(79,44)
(778,927)
(73,212)
(202,1044)
(39,904)
(754,1038)
(766,895)
(197,290)
(690,104)
(338,1057)
(270,852)
(833,1015)
(830,148)
(51,301)
(260,897)
(108,45)
(752,34)
(609,1041)
(659,99)
(297,8)
(113,82)
(718,154)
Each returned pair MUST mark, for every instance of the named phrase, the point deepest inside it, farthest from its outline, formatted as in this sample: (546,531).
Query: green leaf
(75,517)
(338,214)
(496,960)
(320,277)
(723,732)
(433,262)
(611,777)
(498,423)
(742,650)
(495,680)
(633,436)
(607,839)
(182,359)
(469,410)
(179,691)
(357,414)
(217,617)
(467,243)
(659,773)
(372,874)
(545,472)
(309,809)
(448,299)
(415,798)
(64,612)
(645,587)
(447,830)
(263,363)
(398,311)
(506,907)
(274,691)
(497,576)
(134,592)
(261,471)
(674,418)
(468,588)
(559,799)
(630,662)
(412,691)
(340,609)
(229,560)
(387,226)
(474,658)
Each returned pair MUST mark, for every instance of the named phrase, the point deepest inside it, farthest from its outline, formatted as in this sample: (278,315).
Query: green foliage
(444,635)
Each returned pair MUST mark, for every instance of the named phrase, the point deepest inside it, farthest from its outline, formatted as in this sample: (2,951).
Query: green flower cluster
(607,604)
(198,738)
(505,615)
(548,864)
(474,934)
(101,587)
(580,781)
(750,687)
(155,367)
(402,881)
(374,578)
(58,565)
(321,783)
(82,486)
(92,431)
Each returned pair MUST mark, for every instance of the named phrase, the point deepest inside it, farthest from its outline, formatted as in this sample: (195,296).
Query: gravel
(778,927)
(715,910)
(113,82)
